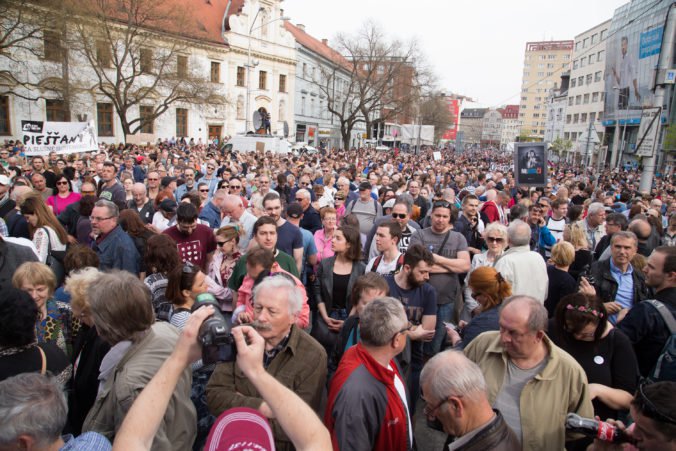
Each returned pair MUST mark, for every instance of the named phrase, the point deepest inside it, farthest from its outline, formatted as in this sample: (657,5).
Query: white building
(315,124)
(204,53)
(586,92)
(556,110)
(491,131)
(511,124)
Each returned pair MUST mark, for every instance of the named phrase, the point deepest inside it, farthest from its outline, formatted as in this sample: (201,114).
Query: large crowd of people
(362,288)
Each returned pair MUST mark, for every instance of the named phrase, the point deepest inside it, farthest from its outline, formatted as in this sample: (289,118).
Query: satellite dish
(286,129)
(257,120)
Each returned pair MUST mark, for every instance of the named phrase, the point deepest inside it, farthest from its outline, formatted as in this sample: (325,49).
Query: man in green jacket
(531,381)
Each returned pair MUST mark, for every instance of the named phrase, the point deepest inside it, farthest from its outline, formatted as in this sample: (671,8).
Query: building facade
(586,93)
(543,63)
(212,63)
(314,123)
(471,124)
(556,110)
(511,125)
(491,129)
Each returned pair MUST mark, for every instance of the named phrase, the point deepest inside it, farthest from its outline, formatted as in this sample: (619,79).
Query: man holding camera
(291,356)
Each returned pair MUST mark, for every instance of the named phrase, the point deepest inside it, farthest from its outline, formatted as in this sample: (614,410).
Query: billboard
(530,164)
(632,52)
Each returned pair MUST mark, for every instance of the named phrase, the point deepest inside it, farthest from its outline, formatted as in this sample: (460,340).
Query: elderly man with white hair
(594,224)
(311,220)
(293,357)
(141,203)
(524,269)
(456,400)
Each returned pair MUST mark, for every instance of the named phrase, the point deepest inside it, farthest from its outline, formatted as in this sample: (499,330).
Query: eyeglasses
(62,183)
(429,411)
(649,409)
(494,239)
(304,183)
(205,190)
(152,180)
(408,327)
(441,204)
(98,218)
(399,215)
(211,167)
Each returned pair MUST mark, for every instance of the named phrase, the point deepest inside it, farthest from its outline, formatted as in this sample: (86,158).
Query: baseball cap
(294,210)
(167,180)
(364,186)
(168,205)
(389,204)
(4,180)
(240,428)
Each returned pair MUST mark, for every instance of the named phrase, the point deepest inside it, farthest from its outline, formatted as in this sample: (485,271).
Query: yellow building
(542,66)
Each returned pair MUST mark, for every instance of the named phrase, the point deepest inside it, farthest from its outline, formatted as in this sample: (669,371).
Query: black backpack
(665,367)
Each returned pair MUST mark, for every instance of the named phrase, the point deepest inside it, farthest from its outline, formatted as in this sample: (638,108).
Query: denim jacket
(117,251)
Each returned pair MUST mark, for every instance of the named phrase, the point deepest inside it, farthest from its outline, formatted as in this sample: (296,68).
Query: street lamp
(249,64)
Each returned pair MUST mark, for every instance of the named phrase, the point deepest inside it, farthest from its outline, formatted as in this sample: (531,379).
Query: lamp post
(249,64)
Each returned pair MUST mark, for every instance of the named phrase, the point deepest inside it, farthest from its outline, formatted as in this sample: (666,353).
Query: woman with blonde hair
(489,289)
(561,283)
(88,349)
(574,233)
(45,230)
(56,323)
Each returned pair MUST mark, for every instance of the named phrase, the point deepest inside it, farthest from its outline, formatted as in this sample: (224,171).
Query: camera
(586,273)
(218,344)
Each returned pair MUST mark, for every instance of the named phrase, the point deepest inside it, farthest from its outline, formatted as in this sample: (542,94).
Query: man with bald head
(141,203)
(233,211)
(643,231)
(523,367)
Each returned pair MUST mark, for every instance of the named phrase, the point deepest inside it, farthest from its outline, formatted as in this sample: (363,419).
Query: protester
(45,230)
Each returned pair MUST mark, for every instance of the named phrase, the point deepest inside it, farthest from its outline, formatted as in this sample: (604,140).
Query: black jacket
(495,436)
(11,257)
(324,282)
(606,286)
(647,330)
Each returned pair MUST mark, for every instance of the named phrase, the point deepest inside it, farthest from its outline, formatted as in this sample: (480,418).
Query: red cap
(240,428)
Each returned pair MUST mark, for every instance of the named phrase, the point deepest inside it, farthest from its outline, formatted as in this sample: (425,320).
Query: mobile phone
(451,326)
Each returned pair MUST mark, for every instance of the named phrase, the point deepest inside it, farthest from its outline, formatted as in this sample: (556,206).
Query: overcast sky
(476,47)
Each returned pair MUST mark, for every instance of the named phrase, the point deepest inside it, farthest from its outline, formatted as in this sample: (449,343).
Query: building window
(146,116)
(589,78)
(592,117)
(302,105)
(598,76)
(583,62)
(599,56)
(52,43)
(215,72)
(304,70)
(575,64)
(595,97)
(282,83)
(181,122)
(312,107)
(586,99)
(262,80)
(578,100)
(580,81)
(576,117)
(603,34)
(103,54)
(146,61)
(592,58)
(573,83)
(104,119)
(583,117)
(4,116)
(181,66)
(594,38)
(240,76)
(56,110)
(541,74)
(585,43)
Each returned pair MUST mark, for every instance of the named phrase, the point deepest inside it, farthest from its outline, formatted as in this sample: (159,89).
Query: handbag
(55,260)
(321,332)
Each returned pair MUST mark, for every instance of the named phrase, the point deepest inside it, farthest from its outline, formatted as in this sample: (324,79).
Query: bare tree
(389,75)
(434,111)
(130,49)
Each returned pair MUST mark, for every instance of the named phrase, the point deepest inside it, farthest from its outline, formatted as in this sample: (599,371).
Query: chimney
(300,26)
(325,42)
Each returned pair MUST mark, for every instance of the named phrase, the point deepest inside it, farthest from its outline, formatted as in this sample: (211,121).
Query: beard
(412,281)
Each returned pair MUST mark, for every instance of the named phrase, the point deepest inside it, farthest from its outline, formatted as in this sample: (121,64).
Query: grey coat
(323,286)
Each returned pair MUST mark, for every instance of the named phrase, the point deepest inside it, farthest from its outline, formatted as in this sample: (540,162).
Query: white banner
(648,132)
(41,138)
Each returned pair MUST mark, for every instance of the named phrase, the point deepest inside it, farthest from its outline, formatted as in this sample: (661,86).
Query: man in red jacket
(367,406)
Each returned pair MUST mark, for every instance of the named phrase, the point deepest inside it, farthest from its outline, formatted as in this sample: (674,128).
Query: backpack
(665,367)
(349,205)
(400,263)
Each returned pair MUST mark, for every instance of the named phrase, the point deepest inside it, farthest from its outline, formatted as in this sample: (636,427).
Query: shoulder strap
(49,241)
(376,262)
(443,243)
(400,262)
(664,313)
(43,357)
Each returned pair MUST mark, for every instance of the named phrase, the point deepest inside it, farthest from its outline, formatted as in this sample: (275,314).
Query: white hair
(282,281)
(450,373)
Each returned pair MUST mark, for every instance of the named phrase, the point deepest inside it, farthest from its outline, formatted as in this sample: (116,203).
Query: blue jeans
(444,313)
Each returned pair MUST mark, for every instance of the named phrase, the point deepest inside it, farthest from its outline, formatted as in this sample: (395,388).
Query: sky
(475,47)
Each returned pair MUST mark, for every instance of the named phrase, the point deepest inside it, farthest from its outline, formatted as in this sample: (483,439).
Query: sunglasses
(86,193)
(211,167)
(222,243)
(494,239)
(62,183)
(441,204)
(235,187)
(204,190)
(399,215)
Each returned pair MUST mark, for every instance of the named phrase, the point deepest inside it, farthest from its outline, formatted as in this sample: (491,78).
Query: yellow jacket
(560,388)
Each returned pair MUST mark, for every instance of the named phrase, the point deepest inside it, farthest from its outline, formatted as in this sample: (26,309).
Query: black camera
(218,344)
(586,273)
